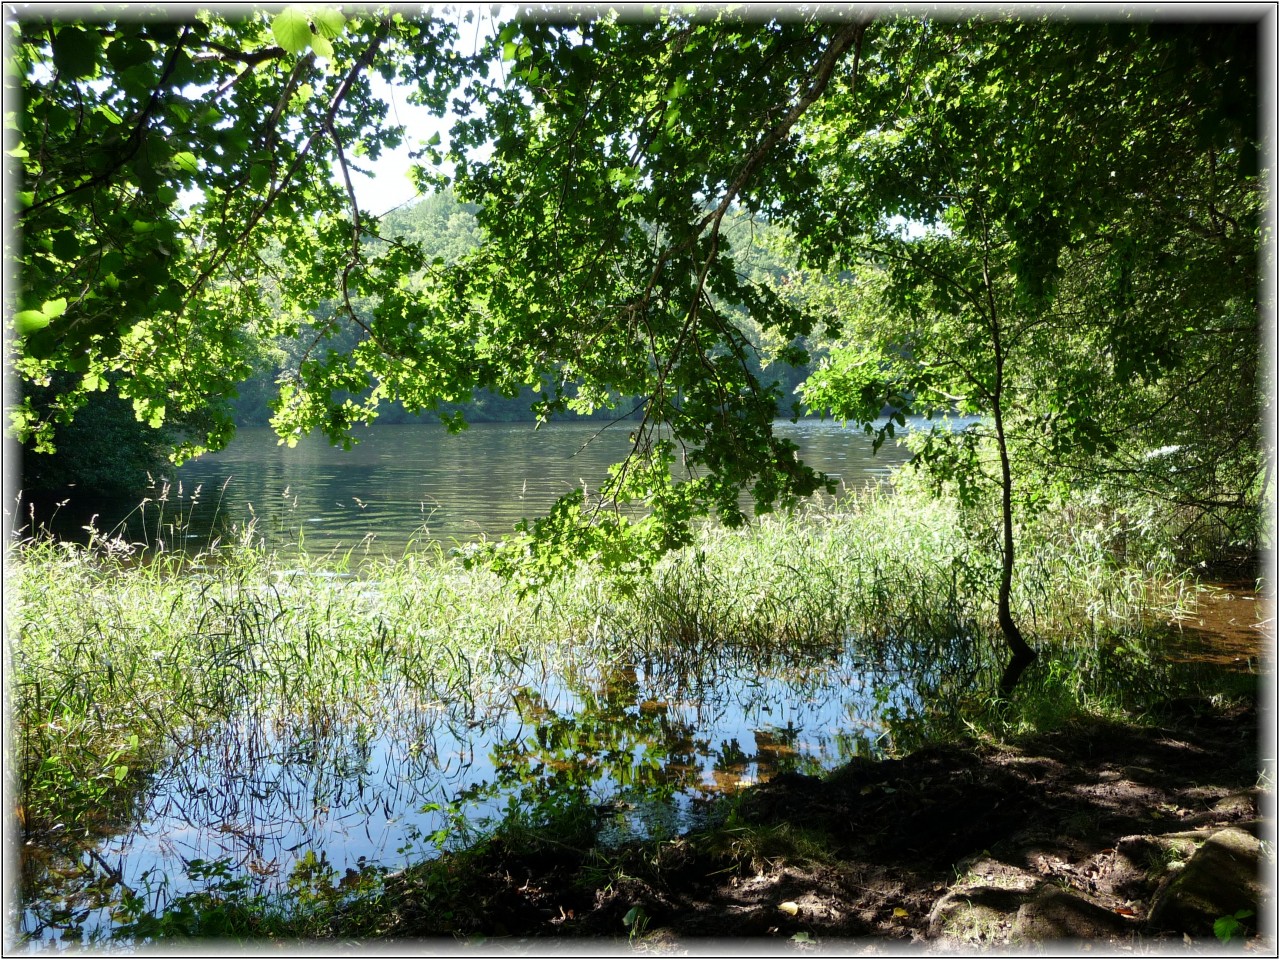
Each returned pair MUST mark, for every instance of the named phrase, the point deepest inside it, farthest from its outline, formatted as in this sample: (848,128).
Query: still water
(650,743)
(415,483)
(651,746)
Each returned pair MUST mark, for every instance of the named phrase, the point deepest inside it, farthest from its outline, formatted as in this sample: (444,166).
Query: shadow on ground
(1079,833)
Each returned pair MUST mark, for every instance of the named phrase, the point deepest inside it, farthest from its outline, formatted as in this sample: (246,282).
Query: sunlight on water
(414,483)
(388,774)
(650,746)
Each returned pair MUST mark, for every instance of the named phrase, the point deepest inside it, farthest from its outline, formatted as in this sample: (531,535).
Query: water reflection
(646,746)
(407,484)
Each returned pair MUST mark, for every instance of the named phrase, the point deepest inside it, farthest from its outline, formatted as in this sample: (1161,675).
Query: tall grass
(118,662)
(882,570)
(115,658)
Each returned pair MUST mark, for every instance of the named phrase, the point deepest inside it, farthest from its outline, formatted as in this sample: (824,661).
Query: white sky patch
(390,183)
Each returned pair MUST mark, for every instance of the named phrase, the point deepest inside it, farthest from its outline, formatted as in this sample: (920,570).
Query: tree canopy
(1053,224)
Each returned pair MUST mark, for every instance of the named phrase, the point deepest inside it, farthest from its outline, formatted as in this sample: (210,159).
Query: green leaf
(259,176)
(75,52)
(292,30)
(28,321)
(1224,928)
(65,245)
(321,46)
(328,23)
(186,162)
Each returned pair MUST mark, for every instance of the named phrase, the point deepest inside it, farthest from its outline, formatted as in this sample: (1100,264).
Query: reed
(122,658)
(109,650)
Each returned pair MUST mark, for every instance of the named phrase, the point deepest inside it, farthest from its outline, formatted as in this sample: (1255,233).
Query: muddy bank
(1082,833)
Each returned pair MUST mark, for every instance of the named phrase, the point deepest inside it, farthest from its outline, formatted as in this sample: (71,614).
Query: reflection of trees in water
(624,749)
(631,743)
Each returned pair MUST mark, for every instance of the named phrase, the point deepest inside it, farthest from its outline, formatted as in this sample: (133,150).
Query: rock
(662,942)
(1057,914)
(1242,805)
(984,870)
(1220,879)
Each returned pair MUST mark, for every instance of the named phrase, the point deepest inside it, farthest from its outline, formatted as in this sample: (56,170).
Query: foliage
(161,161)
(105,449)
(1071,251)
(1228,927)
(121,664)
(1021,293)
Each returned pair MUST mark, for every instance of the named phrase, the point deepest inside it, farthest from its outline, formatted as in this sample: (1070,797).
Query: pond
(401,775)
(410,483)
(388,779)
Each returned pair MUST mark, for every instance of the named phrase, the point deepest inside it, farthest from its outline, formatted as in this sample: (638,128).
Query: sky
(391,185)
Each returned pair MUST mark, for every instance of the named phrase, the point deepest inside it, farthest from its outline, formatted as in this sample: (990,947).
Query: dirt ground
(937,851)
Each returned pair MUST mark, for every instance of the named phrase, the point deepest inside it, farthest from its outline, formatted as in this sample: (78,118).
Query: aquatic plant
(124,661)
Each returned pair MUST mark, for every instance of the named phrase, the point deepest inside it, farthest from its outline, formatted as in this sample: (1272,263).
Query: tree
(1016,297)
(604,206)
(1054,169)
(160,161)
(106,449)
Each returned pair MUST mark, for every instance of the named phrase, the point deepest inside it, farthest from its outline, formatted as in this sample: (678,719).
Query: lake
(270,786)
(414,483)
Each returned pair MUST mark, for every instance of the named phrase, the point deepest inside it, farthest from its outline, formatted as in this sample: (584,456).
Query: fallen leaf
(789,907)
(1126,911)
(899,912)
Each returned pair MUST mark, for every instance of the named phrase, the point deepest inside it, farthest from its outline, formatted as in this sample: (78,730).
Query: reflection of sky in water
(261,793)
(415,483)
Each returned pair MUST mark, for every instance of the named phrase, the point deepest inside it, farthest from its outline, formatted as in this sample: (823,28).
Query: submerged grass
(117,664)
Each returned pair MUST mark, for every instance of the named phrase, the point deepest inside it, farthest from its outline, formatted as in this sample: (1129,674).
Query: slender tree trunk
(1021,653)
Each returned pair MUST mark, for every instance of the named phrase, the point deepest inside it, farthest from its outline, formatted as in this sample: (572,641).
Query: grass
(120,661)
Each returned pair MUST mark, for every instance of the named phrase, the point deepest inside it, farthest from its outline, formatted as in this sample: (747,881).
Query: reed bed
(117,664)
(890,573)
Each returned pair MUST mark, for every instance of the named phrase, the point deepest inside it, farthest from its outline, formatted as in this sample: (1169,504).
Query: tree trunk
(1021,654)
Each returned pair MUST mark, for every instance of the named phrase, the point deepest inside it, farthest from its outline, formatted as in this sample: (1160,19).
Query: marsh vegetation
(194,724)
(681,233)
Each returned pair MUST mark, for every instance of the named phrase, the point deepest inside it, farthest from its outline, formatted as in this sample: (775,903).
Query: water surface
(415,483)
(649,744)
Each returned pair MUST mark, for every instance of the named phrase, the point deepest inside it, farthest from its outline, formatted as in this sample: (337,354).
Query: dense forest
(699,222)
